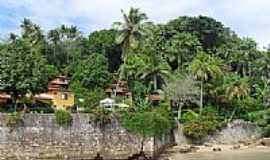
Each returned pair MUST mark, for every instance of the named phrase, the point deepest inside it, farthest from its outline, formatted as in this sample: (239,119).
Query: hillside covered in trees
(206,72)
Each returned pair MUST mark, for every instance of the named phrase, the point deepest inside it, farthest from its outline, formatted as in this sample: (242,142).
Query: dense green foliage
(147,124)
(63,117)
(198,127)
(262,118)
(92,72)
(193,63)
(23,70)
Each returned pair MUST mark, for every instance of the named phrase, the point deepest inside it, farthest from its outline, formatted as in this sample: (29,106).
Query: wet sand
(226,154)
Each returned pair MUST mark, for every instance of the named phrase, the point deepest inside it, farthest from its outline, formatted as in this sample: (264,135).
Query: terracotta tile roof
(154,97)
(108,90)
(4,95)
(44,96)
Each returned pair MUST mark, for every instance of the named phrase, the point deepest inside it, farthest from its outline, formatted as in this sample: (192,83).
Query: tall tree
(22,70)
(240,54)
(92,72)
(210,32)
(66,47)
(203,68)
(155,68)
(182,89)
(103,41)
(148,66)
(182,48)
(236,88)
(130,33)
(31,32)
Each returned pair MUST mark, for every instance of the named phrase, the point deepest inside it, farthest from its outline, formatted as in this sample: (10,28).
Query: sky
(248,18)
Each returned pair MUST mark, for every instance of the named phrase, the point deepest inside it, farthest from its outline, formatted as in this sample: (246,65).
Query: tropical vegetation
(204,73)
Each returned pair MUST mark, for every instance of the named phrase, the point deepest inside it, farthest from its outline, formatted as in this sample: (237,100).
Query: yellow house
(63,99)
(58,94)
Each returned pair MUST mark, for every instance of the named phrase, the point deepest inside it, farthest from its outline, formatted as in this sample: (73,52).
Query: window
(64,96)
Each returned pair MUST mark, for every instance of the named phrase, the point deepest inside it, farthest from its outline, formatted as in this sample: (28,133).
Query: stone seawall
(41,137)
(238,131)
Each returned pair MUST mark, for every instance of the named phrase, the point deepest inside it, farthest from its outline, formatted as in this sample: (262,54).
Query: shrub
(189,116)
(199,129)
(63,117)
(14,119)
(262,118)
(147,124)
(196,127)
(266,131)
(101,116)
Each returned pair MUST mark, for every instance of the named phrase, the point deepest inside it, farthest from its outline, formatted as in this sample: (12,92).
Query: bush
(63,117)
(147,123)
(262,118)
(14,119)
(196,129)
(189,116)
(266,131)
(199,129)
(101,116)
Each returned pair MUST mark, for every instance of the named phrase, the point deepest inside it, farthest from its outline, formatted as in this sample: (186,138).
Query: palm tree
(263,91)
(236,88)
(54,39)
(182,47)
(155,67)
(203,68)
(133,66)
(145,66)
(31,32)
(130,33)
(263,65)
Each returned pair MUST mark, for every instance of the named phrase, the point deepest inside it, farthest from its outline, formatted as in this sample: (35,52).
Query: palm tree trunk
(15,101)
(179,63)
(155,82)
(142,143)
(233,113)
(201,99)
(179,111)
(244,70)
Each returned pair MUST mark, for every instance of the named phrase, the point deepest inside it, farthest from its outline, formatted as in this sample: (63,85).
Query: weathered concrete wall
(238,131)
(235,132)
(41,137)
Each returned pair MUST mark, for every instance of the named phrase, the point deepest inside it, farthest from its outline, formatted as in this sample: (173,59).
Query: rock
(217,149)
(208,145)
(265,142)
(262,147)
(65,157)
(194,148)
(185,149)
(236,147)
(35,145)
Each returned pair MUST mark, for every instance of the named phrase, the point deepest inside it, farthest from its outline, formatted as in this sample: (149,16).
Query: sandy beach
(228,152)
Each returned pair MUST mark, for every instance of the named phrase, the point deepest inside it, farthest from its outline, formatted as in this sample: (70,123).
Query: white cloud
(246,17)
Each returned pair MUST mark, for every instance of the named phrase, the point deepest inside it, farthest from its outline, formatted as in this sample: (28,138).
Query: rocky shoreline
(261,144)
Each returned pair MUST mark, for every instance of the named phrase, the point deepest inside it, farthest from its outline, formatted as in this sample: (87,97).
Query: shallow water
(232,155)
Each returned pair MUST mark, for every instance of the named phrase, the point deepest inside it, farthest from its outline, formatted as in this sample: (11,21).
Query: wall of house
(41,137)
(58,101)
